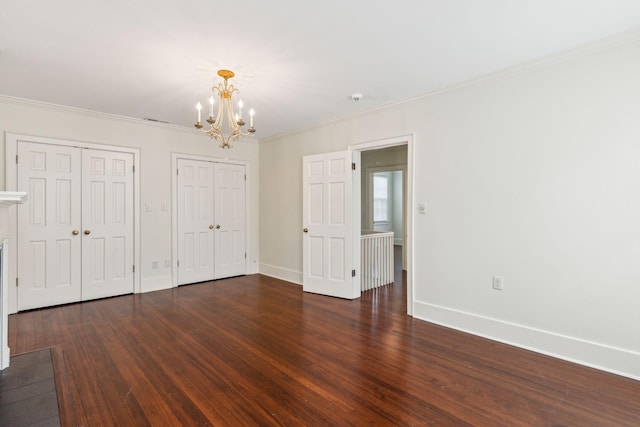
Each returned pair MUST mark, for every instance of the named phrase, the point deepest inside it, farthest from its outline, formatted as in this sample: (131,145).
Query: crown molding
(559,57)
(7,99)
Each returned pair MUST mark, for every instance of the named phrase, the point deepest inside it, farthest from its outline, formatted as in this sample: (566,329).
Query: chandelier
(226,127)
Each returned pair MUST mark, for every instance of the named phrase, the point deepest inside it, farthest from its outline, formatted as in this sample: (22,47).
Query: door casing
(407,140)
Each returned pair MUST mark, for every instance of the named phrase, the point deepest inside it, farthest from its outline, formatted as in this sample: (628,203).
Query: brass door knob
(306,230)
(87,231)
(211,227)
(218,226)
(75,232)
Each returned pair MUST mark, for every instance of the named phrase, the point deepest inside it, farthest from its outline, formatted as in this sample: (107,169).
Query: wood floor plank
(28,392)
(254,350)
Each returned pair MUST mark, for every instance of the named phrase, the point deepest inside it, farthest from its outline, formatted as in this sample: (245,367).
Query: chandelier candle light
(227,125)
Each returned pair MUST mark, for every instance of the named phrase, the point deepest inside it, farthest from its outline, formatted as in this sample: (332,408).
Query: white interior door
(327,225)
(49,242)
(230,246)
(107,223)
(195,221)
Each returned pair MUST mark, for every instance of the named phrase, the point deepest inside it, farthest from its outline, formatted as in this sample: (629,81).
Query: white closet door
(49,242)
(230,244)
(107,223)
(195,221)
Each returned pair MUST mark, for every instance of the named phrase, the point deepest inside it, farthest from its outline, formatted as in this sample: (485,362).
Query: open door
(328,225)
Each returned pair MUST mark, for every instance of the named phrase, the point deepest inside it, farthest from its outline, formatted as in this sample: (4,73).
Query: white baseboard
(156,283)
(285,274)
(6,358)
(595,355)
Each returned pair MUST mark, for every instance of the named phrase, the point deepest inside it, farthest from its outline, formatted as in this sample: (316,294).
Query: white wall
(156,143)
(533,176)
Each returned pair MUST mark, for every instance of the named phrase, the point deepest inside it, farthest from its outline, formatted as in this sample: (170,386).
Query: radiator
(376,259)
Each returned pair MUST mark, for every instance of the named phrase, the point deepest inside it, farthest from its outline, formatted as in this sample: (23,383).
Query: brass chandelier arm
(225,117)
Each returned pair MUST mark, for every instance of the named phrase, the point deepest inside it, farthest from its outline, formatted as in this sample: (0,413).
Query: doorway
(384,194)
(391,158)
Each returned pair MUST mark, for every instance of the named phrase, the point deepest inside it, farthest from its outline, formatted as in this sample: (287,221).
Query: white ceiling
(296,62)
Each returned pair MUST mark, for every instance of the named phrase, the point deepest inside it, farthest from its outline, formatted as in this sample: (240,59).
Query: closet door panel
(107,223)
(48,250)
(230,215)
(195,221)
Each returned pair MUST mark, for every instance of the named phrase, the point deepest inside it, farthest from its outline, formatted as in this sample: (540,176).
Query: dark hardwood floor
(28,391)
(254,350)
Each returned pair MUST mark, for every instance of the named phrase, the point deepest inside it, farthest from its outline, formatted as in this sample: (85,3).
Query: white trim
(5,355)
(606,358)
(91,113)
(8,198)
(281,273)
(250,139)
(409,141)
(11,144)
(567,55)
(156,283)
(174,207)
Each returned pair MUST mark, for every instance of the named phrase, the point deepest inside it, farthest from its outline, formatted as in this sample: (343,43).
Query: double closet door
(211,220)
(75,232)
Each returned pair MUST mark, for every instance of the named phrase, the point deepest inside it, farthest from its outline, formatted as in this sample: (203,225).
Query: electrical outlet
(497,283)
(154,264)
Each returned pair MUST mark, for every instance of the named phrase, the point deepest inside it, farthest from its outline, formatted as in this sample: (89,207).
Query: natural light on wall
(380,197)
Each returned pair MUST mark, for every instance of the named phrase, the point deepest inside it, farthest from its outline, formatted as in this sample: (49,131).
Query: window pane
(380,198)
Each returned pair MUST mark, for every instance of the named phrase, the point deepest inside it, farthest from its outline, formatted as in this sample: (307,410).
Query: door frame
(174,207)
(11,141)
(407,140)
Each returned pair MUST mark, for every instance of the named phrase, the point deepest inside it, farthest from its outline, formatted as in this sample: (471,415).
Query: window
(380,197)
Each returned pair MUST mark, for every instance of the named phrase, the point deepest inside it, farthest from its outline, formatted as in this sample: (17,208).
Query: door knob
(218,226)
(75,232)
(211,227)
(87,231)
(306,230)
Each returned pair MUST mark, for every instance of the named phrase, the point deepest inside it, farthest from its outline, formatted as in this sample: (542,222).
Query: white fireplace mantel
(7,199)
